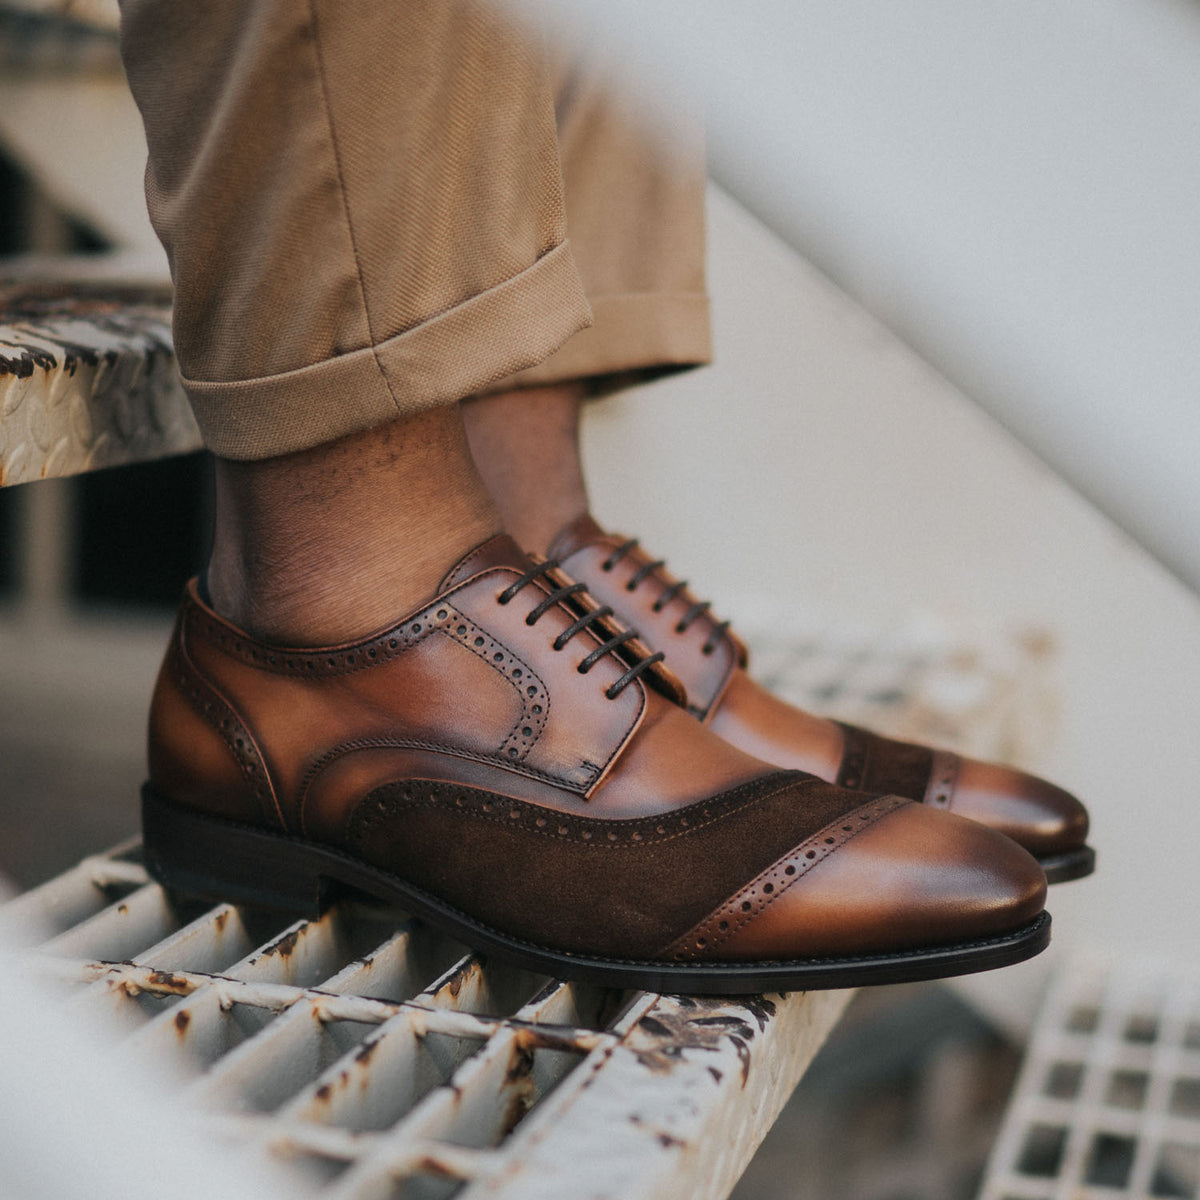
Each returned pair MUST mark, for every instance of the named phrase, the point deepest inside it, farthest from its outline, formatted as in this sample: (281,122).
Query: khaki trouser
(373,207)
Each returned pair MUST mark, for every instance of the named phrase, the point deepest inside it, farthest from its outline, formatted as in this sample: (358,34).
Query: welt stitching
(337,160)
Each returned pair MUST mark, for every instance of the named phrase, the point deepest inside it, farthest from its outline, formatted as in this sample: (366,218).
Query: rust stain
(665,1140)
(760,1008)
(459,981)
(221,920)
(77,300)
(324,1092)
(167,981)
(26,360)
(518,1082)
(183,1019)
(123,909)
(743,1051)
(659,1040)
(365,1051)
(136,316)
(284,946)
(428,1165)
(654,1025)
(729,1023)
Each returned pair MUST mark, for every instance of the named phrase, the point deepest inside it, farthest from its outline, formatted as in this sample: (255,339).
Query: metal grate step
(1108,1101)
(389,1061)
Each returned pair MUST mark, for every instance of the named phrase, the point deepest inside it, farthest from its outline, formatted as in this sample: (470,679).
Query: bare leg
(330,543)
(526,446)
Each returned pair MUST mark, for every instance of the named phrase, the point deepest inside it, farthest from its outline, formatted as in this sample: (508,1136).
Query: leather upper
(461,751)
(711,662)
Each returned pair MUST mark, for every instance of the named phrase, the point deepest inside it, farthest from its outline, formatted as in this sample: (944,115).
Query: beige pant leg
(362,206)
(635,217)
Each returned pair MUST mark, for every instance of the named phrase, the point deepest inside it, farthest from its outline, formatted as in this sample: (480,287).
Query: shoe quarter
(583,729)
(456,678)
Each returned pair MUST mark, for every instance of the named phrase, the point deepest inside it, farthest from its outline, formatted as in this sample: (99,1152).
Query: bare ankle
(526,446)
(331,543)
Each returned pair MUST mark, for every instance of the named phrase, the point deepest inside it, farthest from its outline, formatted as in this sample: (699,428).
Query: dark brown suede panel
(877,764)
(621,887)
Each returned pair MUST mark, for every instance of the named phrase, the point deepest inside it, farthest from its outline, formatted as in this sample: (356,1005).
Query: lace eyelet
(631,586)
(681,628)
(656,607)
(582,669)
(502,599)
(606,565)
(529,621)
(707,650)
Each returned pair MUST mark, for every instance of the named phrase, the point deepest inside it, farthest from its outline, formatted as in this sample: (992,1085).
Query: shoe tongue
(576,534)
(498,551)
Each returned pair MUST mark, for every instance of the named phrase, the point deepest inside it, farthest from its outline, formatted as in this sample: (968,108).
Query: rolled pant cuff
(631,332)
(457,353)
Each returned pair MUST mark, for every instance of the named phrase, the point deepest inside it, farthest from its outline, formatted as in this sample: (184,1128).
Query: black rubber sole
(217,859)
(1073,864)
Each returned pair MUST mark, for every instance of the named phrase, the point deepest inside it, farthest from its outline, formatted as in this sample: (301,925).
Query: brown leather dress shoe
(1049,822)
(513,766)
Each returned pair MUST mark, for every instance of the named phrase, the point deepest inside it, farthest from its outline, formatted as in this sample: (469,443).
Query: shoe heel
(189,852)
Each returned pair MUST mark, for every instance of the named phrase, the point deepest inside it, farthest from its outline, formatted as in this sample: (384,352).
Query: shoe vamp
(625,887)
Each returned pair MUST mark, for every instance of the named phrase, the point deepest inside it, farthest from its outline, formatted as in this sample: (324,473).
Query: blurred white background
(1010,187)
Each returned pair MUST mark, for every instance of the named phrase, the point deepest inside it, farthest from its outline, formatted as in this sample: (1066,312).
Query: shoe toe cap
(1042,817)
(913,878)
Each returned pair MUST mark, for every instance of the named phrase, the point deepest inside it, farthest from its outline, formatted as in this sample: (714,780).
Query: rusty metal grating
(87,380)
(1108,1101)
(387,1061)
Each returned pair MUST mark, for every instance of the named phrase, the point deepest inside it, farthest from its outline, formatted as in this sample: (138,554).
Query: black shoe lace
(592,617)
(720,628)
